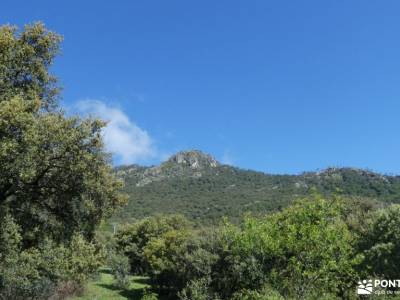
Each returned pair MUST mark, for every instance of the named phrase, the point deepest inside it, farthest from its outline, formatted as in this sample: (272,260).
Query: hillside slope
(195,184)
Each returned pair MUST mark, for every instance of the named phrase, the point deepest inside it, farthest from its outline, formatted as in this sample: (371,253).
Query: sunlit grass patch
(104,288)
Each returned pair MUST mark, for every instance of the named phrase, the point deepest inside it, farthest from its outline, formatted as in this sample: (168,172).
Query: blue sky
(276,86)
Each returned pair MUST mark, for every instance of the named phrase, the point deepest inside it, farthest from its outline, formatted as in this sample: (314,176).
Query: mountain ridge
(197,185)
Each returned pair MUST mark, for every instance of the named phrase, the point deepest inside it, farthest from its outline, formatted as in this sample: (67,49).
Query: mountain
(190,164)
(195,184)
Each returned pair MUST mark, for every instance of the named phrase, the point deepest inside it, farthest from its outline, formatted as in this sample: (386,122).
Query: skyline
(274,87)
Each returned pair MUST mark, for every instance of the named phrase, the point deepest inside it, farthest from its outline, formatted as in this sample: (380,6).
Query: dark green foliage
(220,191)
(198,289)
(148,295)
(37,273)
(381,244)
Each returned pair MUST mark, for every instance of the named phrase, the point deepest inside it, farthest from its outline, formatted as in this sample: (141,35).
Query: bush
(265,294)
(148,295)
(381,244)
(21,277)
(19,270)
(302,251)
(132,239)
(66,289)
(38,273)
(198,289)
(177,257)
(120,268)
(83,259)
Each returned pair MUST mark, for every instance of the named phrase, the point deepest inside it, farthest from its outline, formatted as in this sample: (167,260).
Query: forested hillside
(196,185)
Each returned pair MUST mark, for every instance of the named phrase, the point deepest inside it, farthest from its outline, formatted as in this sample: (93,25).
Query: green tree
(56,178)
(56,182)
(24,63)
(304,251)
(198,289)
(120,268)
(316,249)
(132,239)
(178,257)
(381,244)
(38,273)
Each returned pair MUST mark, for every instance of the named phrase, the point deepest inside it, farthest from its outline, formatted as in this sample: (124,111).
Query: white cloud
(127,141)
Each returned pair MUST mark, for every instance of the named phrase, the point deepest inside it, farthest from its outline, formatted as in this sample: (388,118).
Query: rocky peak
(194,159)
(185,164)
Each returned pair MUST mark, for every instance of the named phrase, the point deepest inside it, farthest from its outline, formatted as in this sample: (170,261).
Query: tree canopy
(56,182)
(25,58)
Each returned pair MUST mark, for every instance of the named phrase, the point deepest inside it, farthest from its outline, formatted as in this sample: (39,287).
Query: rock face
(192,163)
(195,159)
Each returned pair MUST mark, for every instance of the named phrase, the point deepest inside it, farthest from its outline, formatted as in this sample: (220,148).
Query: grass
(103,288)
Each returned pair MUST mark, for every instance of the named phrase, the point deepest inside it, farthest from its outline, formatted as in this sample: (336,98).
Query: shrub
(304,250)
(177,257)
(66,289)
(198,289)
(83,259)
(120,268)
(49,270)
(381,244)
(132,239)
(266,293)
(148,295)
(21,277)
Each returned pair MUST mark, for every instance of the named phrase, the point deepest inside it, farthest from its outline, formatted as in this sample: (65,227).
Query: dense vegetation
(56,182)
(318,248)
(205,192)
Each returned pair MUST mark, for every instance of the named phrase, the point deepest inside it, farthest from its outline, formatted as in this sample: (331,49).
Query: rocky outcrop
(194,159)
(192,163)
